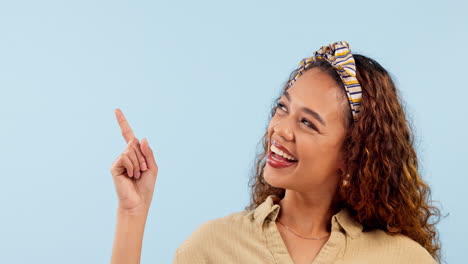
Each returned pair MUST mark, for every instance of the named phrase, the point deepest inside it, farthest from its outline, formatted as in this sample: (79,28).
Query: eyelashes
(282,107)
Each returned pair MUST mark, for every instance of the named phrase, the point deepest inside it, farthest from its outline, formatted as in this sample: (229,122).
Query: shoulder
(399,246)
(217,233)
(241,218)
(226,225)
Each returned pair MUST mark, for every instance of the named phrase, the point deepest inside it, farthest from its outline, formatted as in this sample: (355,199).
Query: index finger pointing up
(127,132)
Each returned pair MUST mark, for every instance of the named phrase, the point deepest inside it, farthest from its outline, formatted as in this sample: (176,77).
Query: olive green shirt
(252,237)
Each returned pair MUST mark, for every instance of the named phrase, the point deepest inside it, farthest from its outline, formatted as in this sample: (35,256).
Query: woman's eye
(309,124)
(281,106)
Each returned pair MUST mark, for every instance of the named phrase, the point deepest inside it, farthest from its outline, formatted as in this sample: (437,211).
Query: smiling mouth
(281,152)
(281,158)
(278,162)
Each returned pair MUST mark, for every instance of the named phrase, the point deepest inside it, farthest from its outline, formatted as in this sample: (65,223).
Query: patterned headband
(338,54)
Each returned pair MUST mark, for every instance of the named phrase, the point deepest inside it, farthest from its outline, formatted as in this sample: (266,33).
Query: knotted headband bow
(338,54)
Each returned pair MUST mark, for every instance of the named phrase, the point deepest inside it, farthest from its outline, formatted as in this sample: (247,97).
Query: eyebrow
(308,110)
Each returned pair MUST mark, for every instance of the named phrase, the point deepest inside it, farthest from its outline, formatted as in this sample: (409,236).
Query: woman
(337,182)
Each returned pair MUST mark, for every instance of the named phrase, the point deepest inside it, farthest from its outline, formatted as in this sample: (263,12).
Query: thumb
(145,148)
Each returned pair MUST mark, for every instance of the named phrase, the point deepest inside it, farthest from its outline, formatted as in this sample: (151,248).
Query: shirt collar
(269,209)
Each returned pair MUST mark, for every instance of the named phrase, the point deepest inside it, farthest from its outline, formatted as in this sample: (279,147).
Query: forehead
(318,91)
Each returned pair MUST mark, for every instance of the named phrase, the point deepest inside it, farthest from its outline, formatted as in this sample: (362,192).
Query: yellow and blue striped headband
(338,54)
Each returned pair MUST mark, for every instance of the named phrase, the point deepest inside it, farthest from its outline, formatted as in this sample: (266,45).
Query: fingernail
(143,166)
(138,174)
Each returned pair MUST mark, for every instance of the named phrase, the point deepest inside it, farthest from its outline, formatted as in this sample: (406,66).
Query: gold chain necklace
(290,230)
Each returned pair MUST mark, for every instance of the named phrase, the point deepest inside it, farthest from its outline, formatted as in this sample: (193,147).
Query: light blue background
(197,78)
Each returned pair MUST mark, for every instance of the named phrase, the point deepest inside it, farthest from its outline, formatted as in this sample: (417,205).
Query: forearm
(128,237)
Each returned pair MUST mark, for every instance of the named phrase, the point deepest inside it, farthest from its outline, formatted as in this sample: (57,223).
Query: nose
(283,130)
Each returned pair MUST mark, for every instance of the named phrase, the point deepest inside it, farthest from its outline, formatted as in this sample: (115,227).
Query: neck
(308,213)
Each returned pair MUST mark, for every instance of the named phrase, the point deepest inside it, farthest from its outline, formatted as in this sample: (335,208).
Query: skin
(134,174)
(311,184)
(134,171)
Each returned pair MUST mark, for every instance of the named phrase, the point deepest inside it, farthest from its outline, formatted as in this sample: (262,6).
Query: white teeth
(281,153)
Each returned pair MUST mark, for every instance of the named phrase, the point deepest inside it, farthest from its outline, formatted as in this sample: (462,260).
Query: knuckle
(129,151)
(128,163)
(133,142)
(138,153)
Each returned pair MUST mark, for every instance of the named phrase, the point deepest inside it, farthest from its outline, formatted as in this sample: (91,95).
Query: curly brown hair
(384,189)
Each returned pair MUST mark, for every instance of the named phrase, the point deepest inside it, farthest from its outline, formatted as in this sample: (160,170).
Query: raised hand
(134,172)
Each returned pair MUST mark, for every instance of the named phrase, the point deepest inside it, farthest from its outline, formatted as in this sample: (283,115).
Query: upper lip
(285,150)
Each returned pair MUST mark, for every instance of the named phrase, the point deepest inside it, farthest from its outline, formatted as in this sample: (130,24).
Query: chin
(287,181)
(276,179)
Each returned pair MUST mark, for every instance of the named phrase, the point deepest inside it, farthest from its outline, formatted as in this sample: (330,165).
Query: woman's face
(315,144)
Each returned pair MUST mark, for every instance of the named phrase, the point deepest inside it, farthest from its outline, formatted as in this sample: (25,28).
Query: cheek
(310,148)
(316,156)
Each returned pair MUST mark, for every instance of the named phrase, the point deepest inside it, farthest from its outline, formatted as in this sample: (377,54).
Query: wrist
(139,211)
